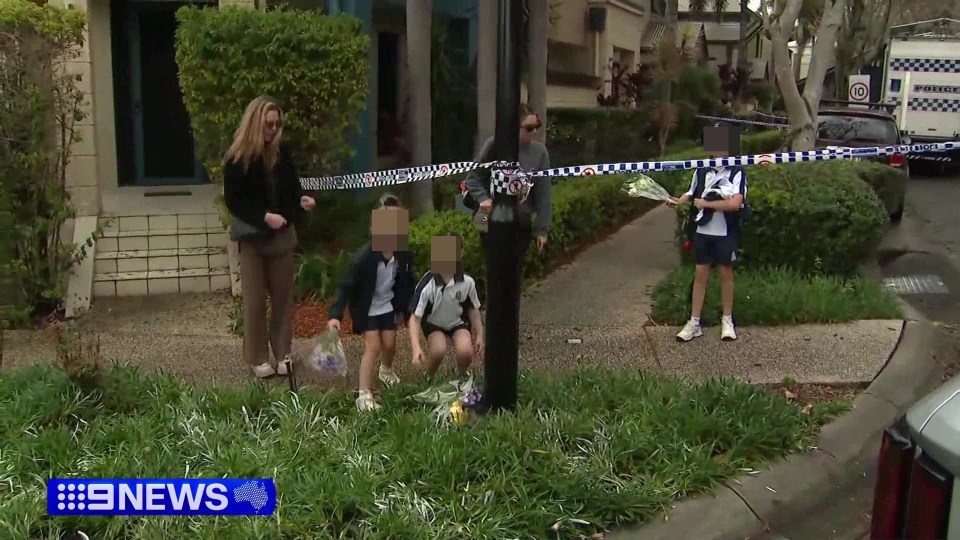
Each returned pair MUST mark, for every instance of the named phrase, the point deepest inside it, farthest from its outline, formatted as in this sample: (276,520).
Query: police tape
(509,179)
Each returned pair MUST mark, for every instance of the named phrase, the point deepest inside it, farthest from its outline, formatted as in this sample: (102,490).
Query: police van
(922,79)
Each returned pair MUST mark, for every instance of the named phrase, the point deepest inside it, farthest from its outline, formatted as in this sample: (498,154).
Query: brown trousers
(268,268)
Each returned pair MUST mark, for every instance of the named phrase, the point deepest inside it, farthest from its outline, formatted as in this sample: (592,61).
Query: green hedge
(580,211)
(888,183)
(811,217)
(314,65)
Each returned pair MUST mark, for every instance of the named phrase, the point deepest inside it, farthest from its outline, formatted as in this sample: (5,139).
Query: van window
(894,85)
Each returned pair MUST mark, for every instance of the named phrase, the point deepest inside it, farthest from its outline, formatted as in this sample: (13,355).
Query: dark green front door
(163,145)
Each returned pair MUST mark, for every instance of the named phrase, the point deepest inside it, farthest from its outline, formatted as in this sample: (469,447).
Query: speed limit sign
(859,88)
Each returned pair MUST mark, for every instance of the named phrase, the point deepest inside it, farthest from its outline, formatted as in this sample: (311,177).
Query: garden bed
(585,452)
(778,296)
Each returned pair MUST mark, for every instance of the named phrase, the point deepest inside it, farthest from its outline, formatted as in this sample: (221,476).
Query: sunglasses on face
(530,129)
(277,124)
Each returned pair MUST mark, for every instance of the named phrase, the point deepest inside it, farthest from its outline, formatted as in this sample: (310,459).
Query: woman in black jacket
(262,191)
(377,289)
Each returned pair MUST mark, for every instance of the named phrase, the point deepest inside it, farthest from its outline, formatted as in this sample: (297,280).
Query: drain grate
(922,284)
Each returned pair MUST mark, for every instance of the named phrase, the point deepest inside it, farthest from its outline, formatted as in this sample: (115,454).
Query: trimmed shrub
(42,102)
(581,210)
(811,217)
(889,183)
(314,65)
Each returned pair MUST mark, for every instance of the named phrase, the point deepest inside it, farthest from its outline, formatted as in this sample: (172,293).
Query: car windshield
(857,128)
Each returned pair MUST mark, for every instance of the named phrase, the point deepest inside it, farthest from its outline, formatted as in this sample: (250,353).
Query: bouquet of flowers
(328,355)
(641,185)
(453,401)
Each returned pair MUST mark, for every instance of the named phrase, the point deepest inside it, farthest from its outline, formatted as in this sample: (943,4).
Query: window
(857,128)
(894,85)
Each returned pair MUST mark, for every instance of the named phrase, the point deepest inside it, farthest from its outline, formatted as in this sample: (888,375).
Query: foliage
(627,87)
(42,103)
(778,296)
(612,135)
(581,211)
(733,83)
(615,446)
(763,92)
(314,65)
(888,183)
(815,218)
(318,275)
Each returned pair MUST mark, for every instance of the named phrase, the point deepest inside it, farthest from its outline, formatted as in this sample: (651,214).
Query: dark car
(864,127)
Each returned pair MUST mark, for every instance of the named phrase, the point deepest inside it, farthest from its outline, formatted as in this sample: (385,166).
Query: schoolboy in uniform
(718,196)
(377,290)
(445,306)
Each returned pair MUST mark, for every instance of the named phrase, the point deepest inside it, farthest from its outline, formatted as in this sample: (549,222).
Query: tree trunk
(802,109)
(537,36)
(419,19)
(487,13)
(798,55)
(742,40)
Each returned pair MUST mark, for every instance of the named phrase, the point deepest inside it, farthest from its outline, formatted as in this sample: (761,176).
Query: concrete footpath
(592,311)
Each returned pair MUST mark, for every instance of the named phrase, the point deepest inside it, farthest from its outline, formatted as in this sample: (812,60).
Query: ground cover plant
(778,296)
(587,450)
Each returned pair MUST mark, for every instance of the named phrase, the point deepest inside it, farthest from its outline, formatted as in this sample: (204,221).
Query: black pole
(503,249)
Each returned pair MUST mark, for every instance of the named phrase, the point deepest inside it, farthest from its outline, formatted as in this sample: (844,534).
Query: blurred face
(271,126)
(528,127)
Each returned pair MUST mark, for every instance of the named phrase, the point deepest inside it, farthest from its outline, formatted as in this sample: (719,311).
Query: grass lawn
(777,296)
(603,447)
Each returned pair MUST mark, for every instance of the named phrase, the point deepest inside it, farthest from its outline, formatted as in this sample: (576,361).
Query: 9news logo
(161,497)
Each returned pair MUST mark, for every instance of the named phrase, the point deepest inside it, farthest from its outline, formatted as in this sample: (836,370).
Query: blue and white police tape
(511,180)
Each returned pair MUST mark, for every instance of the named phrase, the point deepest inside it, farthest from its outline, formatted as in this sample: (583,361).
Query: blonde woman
(262,191)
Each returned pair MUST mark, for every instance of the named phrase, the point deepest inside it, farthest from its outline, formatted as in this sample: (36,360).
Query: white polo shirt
(728,184)
(443,304)
(383,295)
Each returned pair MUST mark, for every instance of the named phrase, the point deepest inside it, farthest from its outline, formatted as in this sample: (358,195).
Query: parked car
(863,127)
(919,462)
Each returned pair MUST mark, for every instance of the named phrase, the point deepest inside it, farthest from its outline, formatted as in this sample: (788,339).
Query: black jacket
(360,280)
(247,194)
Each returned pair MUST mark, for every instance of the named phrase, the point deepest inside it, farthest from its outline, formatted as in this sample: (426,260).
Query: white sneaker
(366,401)
(264,370)
(388,376)
(727,330)
(282,365)
(689,331)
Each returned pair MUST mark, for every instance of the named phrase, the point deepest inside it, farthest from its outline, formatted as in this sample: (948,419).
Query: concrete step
(161,281)
(107,262)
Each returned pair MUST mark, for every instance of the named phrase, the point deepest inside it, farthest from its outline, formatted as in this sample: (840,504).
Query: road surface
(926,257)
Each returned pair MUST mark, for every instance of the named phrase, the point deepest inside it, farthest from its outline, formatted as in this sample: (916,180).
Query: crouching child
(445,306)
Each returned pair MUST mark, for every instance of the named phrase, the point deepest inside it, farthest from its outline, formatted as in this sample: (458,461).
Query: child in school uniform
(377,289)
(445,306)
(714,226)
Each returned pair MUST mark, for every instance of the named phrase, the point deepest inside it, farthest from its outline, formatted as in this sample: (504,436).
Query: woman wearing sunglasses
(536,211)
(262,191)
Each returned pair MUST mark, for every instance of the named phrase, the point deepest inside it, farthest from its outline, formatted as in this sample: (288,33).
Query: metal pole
(503,249)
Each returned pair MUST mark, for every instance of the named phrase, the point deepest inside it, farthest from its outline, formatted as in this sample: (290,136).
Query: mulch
(810,393)
(310,319)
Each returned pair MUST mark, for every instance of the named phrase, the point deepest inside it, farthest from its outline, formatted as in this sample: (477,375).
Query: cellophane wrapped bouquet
(328,355)
(453,401)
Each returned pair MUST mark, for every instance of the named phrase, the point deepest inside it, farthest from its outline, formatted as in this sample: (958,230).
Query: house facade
(135,172)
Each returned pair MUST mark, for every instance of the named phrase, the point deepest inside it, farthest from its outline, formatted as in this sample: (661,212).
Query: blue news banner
(161,497)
